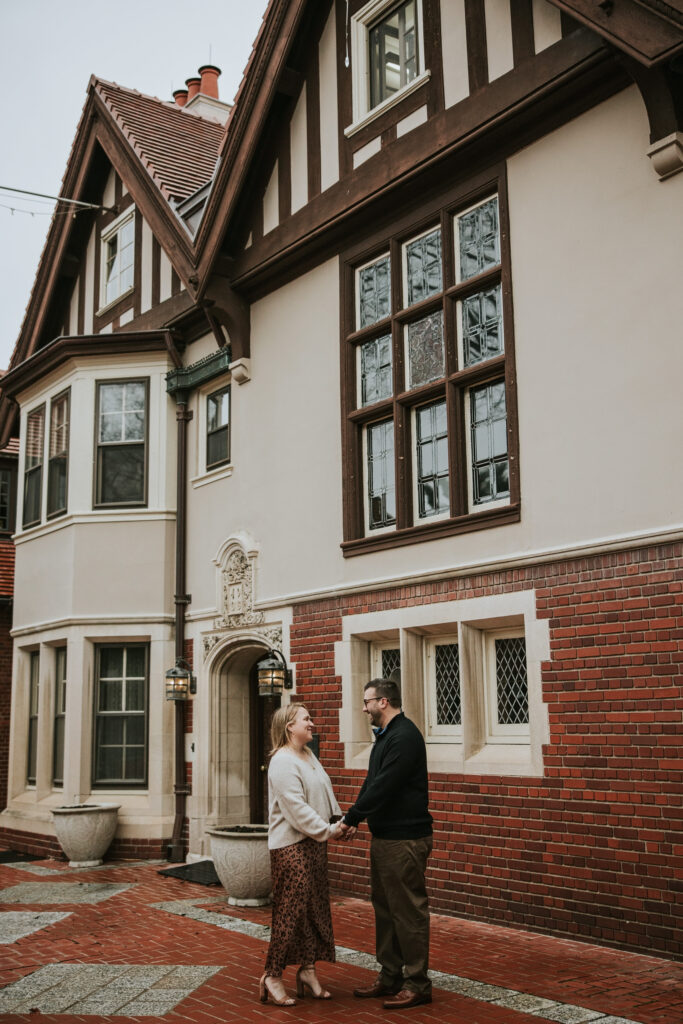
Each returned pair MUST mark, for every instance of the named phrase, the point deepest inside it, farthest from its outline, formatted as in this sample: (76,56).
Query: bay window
(121,462)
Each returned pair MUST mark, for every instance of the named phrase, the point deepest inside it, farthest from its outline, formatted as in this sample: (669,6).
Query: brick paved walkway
(122,942)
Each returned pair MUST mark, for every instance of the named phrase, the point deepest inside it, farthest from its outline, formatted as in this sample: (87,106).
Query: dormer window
(117,259)
(393,52)
(387,59)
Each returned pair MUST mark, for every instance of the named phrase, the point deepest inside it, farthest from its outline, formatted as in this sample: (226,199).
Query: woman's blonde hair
(279,734)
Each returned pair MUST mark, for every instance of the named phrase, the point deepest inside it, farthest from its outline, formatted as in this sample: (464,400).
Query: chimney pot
(180,96)
(209,80)
(193,85)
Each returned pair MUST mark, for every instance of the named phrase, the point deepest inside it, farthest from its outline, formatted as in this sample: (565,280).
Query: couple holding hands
(304,815)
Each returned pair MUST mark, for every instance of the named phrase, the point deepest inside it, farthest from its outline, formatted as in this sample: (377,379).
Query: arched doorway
(240,739)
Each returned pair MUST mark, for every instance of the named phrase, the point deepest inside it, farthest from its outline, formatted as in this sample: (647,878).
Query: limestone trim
(473,621)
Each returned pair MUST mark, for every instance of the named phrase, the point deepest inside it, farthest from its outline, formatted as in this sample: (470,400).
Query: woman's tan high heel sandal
(313,985)
(265,991)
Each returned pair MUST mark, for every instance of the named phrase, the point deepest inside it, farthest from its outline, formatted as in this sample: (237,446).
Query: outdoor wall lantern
(180,682)
(273,675)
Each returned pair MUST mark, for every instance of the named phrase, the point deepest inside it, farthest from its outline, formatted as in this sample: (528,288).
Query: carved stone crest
(238,593)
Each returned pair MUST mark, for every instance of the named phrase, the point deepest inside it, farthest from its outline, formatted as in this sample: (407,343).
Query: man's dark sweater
(394,797)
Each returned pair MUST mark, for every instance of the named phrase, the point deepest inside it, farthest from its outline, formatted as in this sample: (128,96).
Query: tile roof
(178,148)
(6,567)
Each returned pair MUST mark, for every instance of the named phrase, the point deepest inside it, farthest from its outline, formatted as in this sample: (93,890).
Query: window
(218,428)
(121,715)
(121,443)
(117,259)
(33,466)
(387,61)
(33,691)
(58,460)
(60,717)
(6,502)
(472,679)
(428,381)
(393,52)
(507,698)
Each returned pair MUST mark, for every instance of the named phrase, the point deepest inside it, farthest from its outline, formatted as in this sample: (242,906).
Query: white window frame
(439,733)
(376,531)
(436,516)
(359,370)
(361,23)
(496,733)
(225,469)
(376,650)
(107,234)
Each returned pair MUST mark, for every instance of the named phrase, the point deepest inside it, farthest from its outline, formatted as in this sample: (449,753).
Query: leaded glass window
(447,684)
(393,52)
(58,461)
(118,259)
(380,473)
(218,428)
(33,466)
(374,292)
(121,715)
(432,459)
(482,325)
(425,350)
(391,664)
(33,693)
(512,691)
(60,716)
(478,240)
(489,451)
(422,267)
(121,443)
(375,370)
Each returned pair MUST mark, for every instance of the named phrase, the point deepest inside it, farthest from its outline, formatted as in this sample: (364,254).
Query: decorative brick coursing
(5,696)
(590,850)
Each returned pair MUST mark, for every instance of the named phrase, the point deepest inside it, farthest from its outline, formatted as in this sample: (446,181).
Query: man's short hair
(386,688)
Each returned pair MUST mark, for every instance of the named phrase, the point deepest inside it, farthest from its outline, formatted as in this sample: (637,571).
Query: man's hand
(347,831)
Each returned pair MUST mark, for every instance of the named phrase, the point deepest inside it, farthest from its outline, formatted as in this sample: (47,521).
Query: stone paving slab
(103,989)
(17,924)
(62,892)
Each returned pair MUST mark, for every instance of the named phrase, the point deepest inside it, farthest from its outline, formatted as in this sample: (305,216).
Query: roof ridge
(166,104)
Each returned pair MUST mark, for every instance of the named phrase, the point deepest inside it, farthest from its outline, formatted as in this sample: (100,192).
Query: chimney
(209,80)
(193,85)
(180,96)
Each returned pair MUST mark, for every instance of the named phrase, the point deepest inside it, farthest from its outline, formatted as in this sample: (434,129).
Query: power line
(59,199)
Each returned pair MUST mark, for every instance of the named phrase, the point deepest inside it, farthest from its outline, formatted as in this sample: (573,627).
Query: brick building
(374,376)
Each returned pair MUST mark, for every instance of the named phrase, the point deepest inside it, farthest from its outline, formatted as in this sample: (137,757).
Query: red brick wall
(590,850)
(5,696)
(48,846)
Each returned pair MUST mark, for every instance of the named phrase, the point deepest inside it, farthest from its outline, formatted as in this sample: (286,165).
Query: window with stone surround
(33,692)
(470,675)
(60,717)
(428,384)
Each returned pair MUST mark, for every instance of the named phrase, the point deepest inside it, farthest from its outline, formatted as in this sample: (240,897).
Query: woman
(301,809)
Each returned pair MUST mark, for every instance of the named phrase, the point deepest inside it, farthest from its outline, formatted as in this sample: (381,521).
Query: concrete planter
(240,856)
(85,831)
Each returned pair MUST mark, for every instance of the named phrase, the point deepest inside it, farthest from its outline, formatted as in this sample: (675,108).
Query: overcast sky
(48,50)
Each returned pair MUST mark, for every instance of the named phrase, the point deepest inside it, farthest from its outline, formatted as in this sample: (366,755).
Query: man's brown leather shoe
(375,991)
(405,999)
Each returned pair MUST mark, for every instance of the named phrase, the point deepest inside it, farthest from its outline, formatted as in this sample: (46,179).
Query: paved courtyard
(121,941)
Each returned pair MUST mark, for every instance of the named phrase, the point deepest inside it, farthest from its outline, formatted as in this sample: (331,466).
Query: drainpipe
(183,417)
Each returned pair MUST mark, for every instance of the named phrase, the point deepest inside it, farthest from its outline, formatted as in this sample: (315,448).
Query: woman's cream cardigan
(300,800)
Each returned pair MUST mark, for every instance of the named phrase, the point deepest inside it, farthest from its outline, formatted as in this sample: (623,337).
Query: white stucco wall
(595,243)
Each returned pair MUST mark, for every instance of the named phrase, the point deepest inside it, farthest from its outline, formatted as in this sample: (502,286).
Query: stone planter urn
(242,862)
(85,831)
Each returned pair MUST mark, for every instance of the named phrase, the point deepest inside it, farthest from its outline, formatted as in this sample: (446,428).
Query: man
(393,798)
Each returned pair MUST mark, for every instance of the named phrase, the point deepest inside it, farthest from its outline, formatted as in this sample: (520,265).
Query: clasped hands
(345,832)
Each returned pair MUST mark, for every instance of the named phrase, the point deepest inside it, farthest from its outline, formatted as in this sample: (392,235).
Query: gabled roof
(178,148)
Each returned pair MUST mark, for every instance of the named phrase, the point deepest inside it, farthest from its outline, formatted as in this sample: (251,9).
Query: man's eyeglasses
(366,700)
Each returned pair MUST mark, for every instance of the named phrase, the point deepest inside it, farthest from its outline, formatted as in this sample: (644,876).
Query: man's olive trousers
(399,899)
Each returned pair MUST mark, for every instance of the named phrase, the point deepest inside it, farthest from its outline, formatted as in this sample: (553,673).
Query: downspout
(183,416)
